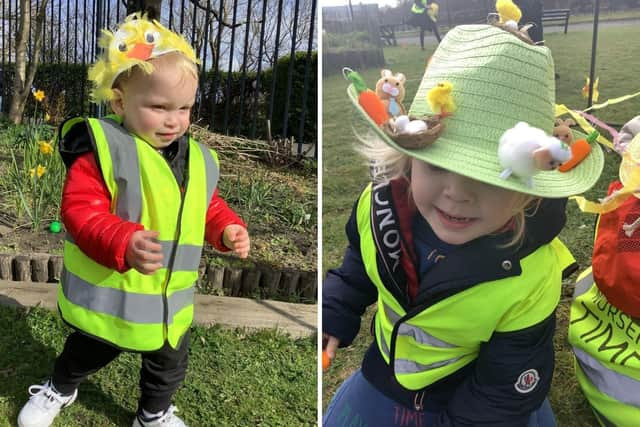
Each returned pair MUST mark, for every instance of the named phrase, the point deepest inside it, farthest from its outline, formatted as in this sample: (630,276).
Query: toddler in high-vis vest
(604,326)
(455,242)
(138,202)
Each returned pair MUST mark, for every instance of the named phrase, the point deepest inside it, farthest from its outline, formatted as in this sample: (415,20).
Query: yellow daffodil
(47,117)
(32,172)
(39,95)
(40,170)
(45,147)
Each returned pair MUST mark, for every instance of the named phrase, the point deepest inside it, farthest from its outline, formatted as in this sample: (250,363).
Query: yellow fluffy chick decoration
(440,99)
(508,11)
(135,42)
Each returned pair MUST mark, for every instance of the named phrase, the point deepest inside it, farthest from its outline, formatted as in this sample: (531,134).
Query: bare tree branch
(23,78)
(215,15)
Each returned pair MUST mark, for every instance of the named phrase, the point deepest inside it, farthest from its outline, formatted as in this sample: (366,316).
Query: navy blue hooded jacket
(481,393)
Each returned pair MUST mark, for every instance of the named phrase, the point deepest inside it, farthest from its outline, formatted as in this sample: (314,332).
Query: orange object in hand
(326,361)
(579,151)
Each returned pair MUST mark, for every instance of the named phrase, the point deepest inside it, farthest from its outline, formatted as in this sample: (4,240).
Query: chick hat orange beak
(134,43)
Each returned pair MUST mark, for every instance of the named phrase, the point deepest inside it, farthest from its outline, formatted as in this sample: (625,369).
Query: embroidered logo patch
(527,381)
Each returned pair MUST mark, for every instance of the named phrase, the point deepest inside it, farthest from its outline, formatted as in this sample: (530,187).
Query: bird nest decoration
(414,141)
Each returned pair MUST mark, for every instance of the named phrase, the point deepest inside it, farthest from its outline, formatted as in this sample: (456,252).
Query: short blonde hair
(387,163)
(185,66)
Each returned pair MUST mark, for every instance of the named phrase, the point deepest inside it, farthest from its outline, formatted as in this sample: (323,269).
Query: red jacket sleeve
(87,216)
(219,216)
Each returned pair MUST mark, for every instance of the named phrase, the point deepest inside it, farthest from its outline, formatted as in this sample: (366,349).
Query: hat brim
(476,162)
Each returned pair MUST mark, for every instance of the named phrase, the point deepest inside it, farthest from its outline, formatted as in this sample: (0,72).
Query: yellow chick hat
(135,42)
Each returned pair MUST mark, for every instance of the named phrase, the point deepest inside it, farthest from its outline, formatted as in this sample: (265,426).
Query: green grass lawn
(345,174)
(235,377)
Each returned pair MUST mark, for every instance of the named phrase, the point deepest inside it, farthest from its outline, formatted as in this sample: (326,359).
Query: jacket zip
(165,287)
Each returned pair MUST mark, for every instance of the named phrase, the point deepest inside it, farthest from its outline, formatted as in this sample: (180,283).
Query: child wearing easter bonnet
(456,244)
(604,326)
(138,201)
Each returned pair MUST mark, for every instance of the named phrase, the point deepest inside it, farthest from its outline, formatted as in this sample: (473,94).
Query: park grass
(235,377)
(345,174)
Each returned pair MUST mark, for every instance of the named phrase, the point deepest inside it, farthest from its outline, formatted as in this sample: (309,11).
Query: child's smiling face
(157,107)
(459,209)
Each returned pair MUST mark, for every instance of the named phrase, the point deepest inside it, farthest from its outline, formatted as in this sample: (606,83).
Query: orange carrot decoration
(579,151)
(368,99)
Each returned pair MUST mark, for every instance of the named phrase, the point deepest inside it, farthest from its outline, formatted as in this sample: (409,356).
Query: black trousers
(161,373)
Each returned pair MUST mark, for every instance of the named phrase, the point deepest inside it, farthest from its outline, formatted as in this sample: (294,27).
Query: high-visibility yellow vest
(437,341)
(131,310)
(606,347)
(432,9)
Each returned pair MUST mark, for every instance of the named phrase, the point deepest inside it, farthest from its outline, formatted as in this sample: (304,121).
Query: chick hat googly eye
(491,80)
(134,43)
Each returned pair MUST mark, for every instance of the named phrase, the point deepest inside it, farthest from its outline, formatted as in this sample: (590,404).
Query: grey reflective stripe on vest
(615,385)
(404,366)
(128,306)
(187,256)
(126,170)
(583,285)
(211,169)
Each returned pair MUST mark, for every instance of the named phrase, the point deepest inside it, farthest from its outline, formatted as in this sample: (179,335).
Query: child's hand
(144,253)
(329,346)
(236,238)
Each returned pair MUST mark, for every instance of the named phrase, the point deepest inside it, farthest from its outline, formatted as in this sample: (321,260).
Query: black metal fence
(258,58)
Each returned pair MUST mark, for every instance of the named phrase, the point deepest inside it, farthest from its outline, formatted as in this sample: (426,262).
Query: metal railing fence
(242,45)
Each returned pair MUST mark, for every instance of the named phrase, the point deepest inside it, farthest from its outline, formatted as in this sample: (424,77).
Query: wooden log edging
(251,281)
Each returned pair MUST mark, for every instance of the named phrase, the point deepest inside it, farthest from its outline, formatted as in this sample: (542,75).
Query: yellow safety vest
(606,346)
(426,346)
(131,310)
(432,9)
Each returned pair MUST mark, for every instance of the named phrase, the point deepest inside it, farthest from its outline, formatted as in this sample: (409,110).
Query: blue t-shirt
(428,247)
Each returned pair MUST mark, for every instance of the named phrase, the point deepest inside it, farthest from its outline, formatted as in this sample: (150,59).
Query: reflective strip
(418,334)
(129,306)
(403,366)
(211,169)
(583,285)
(422,337)
(391,315)
(615,385)
(187,256)
(126,170)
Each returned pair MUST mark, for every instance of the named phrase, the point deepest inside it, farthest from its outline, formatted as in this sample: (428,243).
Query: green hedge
(69,82)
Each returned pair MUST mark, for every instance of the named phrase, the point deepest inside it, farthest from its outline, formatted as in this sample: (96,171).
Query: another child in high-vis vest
(138,202)
(424,15)
(456,244)
(604,326)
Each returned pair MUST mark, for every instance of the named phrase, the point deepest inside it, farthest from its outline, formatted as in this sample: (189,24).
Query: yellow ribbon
(612,101)
(614,200)
(584,124)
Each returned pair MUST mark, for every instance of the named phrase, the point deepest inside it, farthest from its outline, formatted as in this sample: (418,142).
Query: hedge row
(229,103)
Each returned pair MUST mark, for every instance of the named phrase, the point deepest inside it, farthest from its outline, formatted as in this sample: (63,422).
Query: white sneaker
(43,406)
(168,419)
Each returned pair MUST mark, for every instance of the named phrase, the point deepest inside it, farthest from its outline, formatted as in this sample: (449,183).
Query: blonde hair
(387,163)
(185,66)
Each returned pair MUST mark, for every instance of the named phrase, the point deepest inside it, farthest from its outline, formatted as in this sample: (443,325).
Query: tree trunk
(23,78)
(151,7)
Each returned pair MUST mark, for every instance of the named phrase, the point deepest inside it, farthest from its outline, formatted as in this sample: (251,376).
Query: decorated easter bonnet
(134,43)
(496,80)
